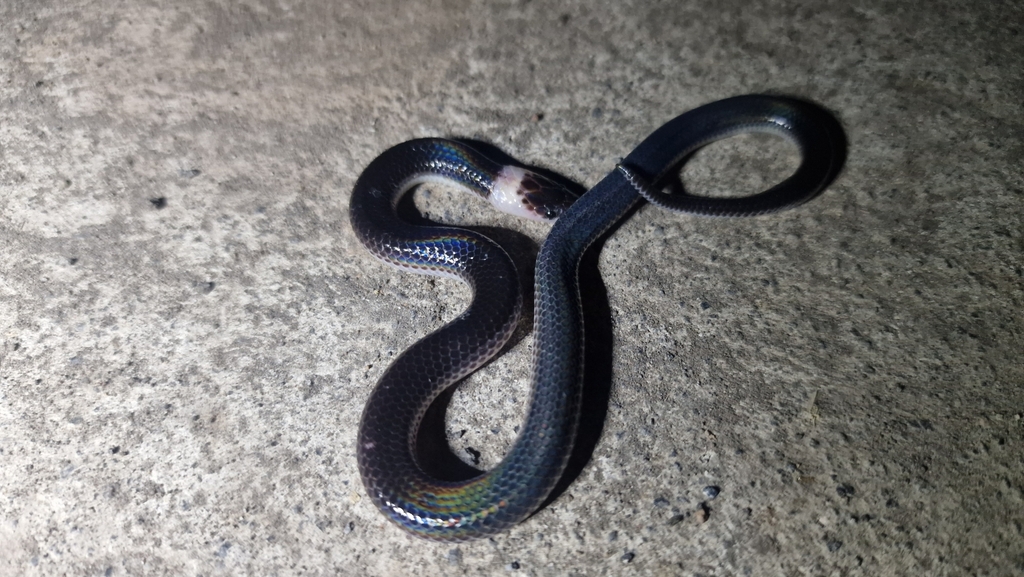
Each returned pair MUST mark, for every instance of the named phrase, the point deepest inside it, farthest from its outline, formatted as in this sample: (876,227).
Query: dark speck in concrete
(677,519)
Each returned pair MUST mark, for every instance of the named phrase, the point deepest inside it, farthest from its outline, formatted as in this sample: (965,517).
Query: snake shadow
(598,333)
(433,448)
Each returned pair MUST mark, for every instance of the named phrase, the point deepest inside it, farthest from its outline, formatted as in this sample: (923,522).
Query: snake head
(528,194)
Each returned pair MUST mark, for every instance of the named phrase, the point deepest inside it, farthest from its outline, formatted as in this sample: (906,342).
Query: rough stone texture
(189,329)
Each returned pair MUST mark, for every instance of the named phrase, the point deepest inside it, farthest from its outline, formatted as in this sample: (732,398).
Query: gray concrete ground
(189,328)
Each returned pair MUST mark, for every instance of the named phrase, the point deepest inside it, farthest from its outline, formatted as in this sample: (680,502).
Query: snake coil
(495,500)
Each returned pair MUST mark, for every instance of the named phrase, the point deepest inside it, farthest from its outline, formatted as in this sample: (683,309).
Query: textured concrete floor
(189,329)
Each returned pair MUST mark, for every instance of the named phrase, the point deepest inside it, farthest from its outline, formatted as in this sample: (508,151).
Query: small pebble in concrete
(704,513)
(712,491)
(455,556)
(628,557)
(223,551)
(845,490)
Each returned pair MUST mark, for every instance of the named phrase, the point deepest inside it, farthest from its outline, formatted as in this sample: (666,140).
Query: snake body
(495,500)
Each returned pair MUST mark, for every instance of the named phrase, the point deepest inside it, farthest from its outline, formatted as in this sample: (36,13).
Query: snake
(490,502)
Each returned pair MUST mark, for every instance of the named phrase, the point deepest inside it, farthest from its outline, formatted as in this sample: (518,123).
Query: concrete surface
(189,329)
